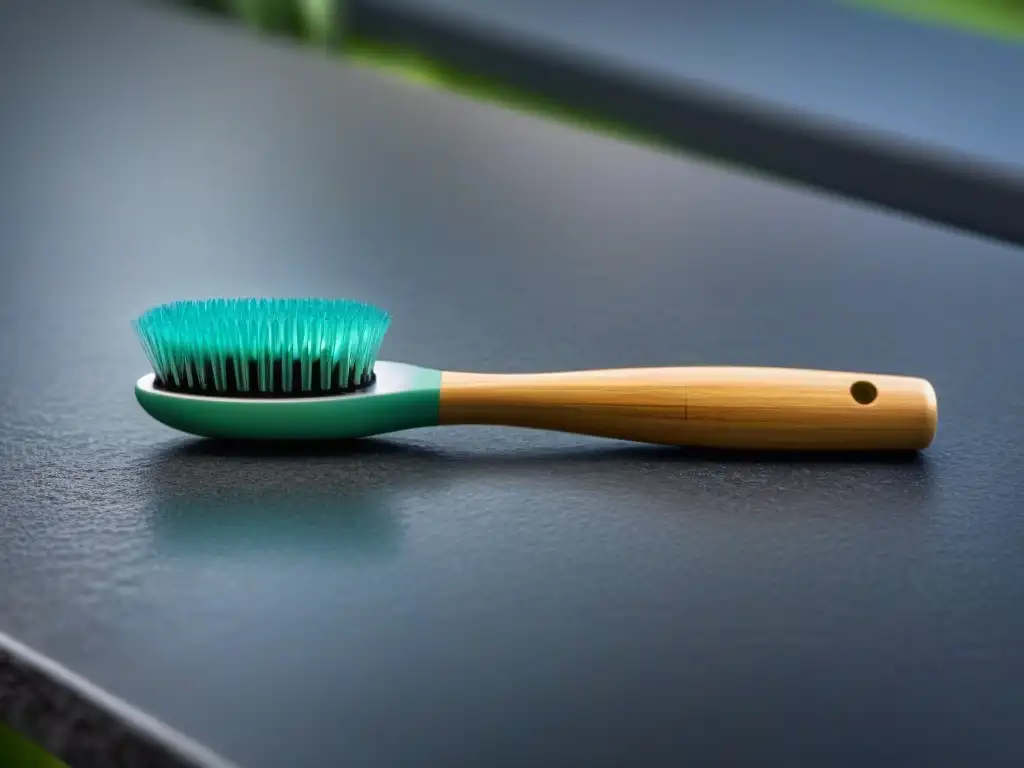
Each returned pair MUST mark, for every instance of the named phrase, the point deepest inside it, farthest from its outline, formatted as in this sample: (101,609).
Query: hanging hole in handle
(864,392)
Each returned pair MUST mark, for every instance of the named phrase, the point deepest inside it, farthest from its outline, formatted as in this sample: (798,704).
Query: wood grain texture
(714,407)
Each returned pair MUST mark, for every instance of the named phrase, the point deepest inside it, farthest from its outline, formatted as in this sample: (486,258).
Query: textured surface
(914,117)
(478,596)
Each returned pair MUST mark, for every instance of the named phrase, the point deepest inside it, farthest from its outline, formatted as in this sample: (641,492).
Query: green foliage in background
(321,22)
(18,752)
(314,21)
(318,19)
(418,67)
(997,18)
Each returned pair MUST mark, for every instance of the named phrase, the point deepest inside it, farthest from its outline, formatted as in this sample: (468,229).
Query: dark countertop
(912,116)
(480,596)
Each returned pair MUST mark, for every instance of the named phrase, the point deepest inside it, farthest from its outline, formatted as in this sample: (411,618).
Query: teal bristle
(263,347)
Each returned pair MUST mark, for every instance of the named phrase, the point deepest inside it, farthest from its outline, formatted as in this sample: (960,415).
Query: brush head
(262,348)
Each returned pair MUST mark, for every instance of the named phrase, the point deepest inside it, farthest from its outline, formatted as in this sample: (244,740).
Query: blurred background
(999,18)
(322,24)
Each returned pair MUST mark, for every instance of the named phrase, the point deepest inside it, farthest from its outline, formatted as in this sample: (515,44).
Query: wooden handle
(734,408)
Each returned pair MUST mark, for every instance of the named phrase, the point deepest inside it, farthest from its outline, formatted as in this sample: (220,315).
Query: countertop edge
(81,723)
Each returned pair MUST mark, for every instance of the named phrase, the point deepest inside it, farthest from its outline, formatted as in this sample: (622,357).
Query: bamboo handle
(712,407)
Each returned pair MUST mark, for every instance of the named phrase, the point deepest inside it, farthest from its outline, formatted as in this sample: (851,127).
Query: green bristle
(263,347)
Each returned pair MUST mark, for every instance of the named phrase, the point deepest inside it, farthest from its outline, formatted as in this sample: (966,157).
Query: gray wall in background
(920,119)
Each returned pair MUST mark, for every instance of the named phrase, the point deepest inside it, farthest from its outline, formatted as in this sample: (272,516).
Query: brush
(301,369)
